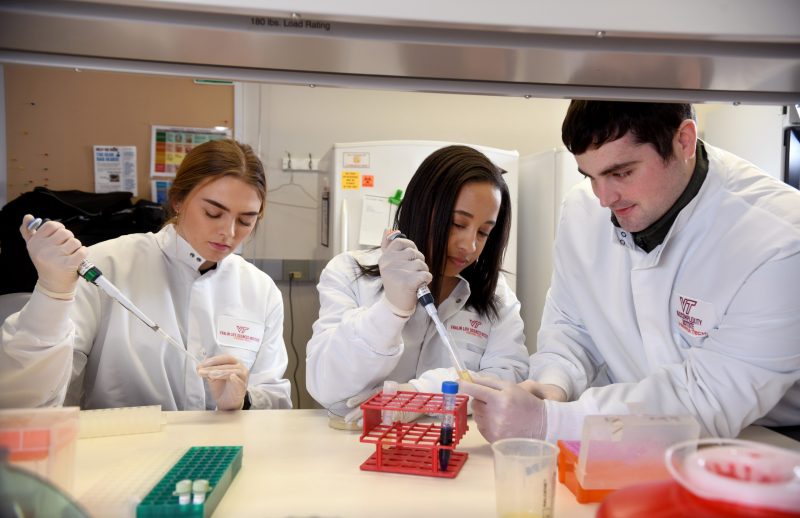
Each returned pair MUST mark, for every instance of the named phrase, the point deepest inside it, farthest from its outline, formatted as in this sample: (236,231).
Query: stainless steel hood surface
(389,53)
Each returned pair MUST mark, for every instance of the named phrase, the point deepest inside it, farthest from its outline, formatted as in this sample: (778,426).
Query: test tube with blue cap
(449,391)
(93,274)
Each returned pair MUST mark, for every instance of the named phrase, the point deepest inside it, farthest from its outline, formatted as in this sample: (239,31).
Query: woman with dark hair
(228,313)
(456,219)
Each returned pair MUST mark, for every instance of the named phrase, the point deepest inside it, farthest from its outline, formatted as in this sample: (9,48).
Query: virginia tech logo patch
(687,304)
(694,316)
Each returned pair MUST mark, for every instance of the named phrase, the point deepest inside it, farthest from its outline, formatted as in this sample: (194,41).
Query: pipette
(93,274)
(425,298)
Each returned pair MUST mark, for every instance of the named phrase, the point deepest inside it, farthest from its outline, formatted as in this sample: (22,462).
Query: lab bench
(293,464)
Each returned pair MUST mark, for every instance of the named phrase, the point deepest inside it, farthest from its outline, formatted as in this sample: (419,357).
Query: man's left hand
(503,409)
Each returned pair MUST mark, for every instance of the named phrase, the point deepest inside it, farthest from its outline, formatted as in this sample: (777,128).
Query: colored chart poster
(169,144)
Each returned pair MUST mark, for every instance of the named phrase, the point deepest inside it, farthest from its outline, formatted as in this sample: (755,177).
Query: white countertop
(295,465)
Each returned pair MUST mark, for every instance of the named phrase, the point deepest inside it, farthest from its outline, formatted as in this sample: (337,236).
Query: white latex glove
(56,254)
(503,409)
(403,270)
(227,379)
(356,415)
(544,390)
(431,381)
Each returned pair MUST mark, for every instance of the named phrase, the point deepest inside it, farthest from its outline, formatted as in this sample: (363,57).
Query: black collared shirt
(654,235)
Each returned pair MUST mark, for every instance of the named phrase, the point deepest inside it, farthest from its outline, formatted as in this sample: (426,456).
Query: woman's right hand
(403,270)
(55,253)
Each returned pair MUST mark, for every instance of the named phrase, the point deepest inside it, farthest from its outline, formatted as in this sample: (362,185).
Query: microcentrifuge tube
(199,490)
(183,490)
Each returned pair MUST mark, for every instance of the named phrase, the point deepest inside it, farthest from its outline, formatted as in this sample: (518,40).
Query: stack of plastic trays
(42,441)
(120,421)
(217,464)
(617,451)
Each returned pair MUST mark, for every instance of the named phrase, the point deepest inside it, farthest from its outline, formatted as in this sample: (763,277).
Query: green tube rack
(217,464)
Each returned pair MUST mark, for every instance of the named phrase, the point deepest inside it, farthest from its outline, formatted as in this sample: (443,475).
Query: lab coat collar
(456,301)
(707,184)
(175,247)
(711,185)
(622,237)
(649,238)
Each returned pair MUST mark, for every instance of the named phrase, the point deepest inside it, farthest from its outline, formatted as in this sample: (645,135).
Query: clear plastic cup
(524,478)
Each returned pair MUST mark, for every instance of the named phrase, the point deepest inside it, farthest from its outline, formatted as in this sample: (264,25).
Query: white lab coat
(113,359)
(358,343)
(707,324)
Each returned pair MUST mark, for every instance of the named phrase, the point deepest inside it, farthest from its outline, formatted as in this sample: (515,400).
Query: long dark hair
(425,216)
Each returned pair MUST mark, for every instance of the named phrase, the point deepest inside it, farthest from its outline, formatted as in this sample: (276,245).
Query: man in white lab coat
(687,302)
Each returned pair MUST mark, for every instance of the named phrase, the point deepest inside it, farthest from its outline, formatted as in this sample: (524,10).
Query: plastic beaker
(524,478)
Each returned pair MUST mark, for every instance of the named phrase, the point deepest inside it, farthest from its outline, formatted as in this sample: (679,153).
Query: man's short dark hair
(590,124)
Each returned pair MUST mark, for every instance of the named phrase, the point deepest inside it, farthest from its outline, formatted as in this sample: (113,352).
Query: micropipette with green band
(93,274)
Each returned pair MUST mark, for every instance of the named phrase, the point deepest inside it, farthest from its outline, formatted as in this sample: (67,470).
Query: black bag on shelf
(92,217)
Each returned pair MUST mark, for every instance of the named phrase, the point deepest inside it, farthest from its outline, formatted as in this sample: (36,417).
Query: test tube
(449,391)
(388,417)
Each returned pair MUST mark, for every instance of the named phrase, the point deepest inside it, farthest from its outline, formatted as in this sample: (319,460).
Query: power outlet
(296,270)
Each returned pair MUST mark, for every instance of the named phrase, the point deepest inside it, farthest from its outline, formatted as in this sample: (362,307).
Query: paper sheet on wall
(374,220)
(159,188)
(115,169)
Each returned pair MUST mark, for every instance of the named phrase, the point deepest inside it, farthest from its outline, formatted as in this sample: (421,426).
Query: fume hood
(727,50)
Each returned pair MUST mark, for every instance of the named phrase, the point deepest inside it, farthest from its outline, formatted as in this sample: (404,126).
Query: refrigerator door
(365,176)
(544,180)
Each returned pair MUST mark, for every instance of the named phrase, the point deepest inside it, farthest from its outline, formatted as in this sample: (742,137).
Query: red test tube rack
(412,448)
